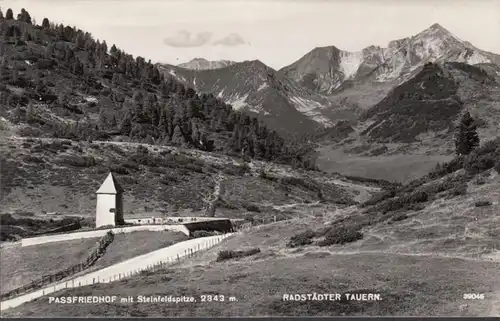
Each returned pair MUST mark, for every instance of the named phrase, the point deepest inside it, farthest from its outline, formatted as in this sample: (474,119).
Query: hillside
(50,176)
(420,247)
(58,81)
(432,101)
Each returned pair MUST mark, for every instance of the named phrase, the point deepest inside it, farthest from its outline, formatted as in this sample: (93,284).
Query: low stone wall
(98,233)
(170,220)
(219,225)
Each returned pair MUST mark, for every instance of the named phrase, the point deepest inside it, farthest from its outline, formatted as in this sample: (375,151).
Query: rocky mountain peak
(204,64)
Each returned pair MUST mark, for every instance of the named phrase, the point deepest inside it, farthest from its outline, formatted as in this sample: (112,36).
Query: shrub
(301,239)
(459,190)
(228,254)
(79,161)
(118,169)
(497,166)
(444,169)
(203,233)
(29,132)
(397,218)
(168,179)
(483,158)
(480,181)
(252,208)
(341,236)
(407,201)
(236,170)
(482,203)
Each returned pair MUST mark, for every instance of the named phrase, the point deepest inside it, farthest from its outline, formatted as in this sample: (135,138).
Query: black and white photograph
(249,158)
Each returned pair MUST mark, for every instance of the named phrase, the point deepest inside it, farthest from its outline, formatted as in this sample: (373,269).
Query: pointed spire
(110,186)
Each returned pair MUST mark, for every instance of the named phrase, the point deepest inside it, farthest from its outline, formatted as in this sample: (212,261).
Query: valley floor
(397,168)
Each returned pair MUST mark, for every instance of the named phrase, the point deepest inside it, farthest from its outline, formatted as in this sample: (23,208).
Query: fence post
(73,281)
(178,257)
(66,285)
(274,218)
(54,288)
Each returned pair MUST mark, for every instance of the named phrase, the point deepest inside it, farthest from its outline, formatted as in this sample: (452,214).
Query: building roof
(110,186)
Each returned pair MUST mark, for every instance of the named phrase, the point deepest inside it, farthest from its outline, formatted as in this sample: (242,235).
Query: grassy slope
(129,245)
(17,264)
(421,266)
(21,265)
(168,188)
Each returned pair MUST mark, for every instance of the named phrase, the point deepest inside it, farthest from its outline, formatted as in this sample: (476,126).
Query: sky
(277,32)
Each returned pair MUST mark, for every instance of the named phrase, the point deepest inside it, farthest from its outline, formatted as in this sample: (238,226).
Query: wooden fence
(96,253)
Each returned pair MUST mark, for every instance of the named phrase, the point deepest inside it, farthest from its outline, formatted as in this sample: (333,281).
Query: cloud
(232,39)
(185,39)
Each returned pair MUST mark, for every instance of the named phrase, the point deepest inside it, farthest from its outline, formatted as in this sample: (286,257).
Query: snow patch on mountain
(203,64)
(310,108)
(476,58)
(238,102)
(263,86)
(350,63)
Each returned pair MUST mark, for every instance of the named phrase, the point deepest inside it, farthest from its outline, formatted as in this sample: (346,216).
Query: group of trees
(141,102)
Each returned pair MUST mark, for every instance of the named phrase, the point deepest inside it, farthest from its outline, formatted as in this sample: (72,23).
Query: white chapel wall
(103,215)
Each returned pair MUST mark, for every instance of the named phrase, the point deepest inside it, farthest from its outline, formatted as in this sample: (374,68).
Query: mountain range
(328,84)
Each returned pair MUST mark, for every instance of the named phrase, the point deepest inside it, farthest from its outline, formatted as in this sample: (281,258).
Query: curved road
(124,269)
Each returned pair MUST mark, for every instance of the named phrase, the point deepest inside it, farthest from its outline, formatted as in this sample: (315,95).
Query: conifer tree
(466,138)
(9,15)
(45,23)
(177,137)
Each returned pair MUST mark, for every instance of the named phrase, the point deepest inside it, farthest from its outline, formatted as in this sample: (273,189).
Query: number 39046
(473,296)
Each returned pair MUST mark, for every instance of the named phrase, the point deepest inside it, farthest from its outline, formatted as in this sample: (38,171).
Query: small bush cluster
(79,161)
(229,254)
(459,190)
(168,179)
(405,201)
(397,218)
(444,169)
(341,235)
(237,170)
(483,203)
(301,239)
(119,169)
(251,207)
(203,233)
